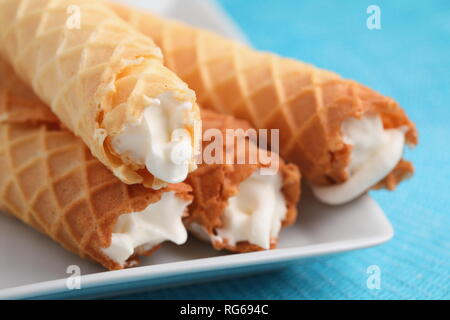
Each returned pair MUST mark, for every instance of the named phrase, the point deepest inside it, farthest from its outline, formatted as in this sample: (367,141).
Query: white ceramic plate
(33,266)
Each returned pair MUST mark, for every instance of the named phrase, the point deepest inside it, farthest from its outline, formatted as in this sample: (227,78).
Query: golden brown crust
(18,102)
(214,184)
(50,180)
(402,171)
(241,246)
(306,103)
(94,77)
(291,191)
(63,191)
(328,159)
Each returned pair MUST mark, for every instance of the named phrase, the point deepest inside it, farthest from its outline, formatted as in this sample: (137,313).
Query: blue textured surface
(408,59)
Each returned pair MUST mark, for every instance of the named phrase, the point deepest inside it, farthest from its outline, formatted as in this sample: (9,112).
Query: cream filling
(254,214)
(159,140)
(141,231)
(375,153)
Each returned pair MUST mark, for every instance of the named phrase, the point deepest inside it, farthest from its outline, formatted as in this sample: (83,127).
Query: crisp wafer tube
(107,84)
(240,207)
(321,116)
(50,181)
(236,207)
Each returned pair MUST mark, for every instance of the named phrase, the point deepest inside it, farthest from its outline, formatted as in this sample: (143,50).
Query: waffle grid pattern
(50,181)
(84,74)
(46,49)
(43,197)
(214,184)
(307,104)
(18,103)
(256,88)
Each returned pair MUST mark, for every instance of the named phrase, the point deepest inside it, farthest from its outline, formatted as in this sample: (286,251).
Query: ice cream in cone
(321,116)
(107,84)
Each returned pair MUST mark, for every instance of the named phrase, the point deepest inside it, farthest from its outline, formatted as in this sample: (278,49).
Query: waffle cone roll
(44,168)
(215,184)
(96,73)
(50,181)
(307,104)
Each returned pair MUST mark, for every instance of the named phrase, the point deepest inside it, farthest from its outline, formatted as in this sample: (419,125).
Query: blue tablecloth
(408,59)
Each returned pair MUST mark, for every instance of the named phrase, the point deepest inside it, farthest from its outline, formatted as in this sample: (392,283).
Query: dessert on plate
(50,181)
(100,137)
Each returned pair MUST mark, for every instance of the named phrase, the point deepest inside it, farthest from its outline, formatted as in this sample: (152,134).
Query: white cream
(141,231)
(159,140)
(375,153)
(256,213)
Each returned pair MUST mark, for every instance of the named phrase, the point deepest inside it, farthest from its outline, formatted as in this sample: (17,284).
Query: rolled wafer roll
(240,207)
(50,181)
(107,84)
(345,137)
(220,189)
